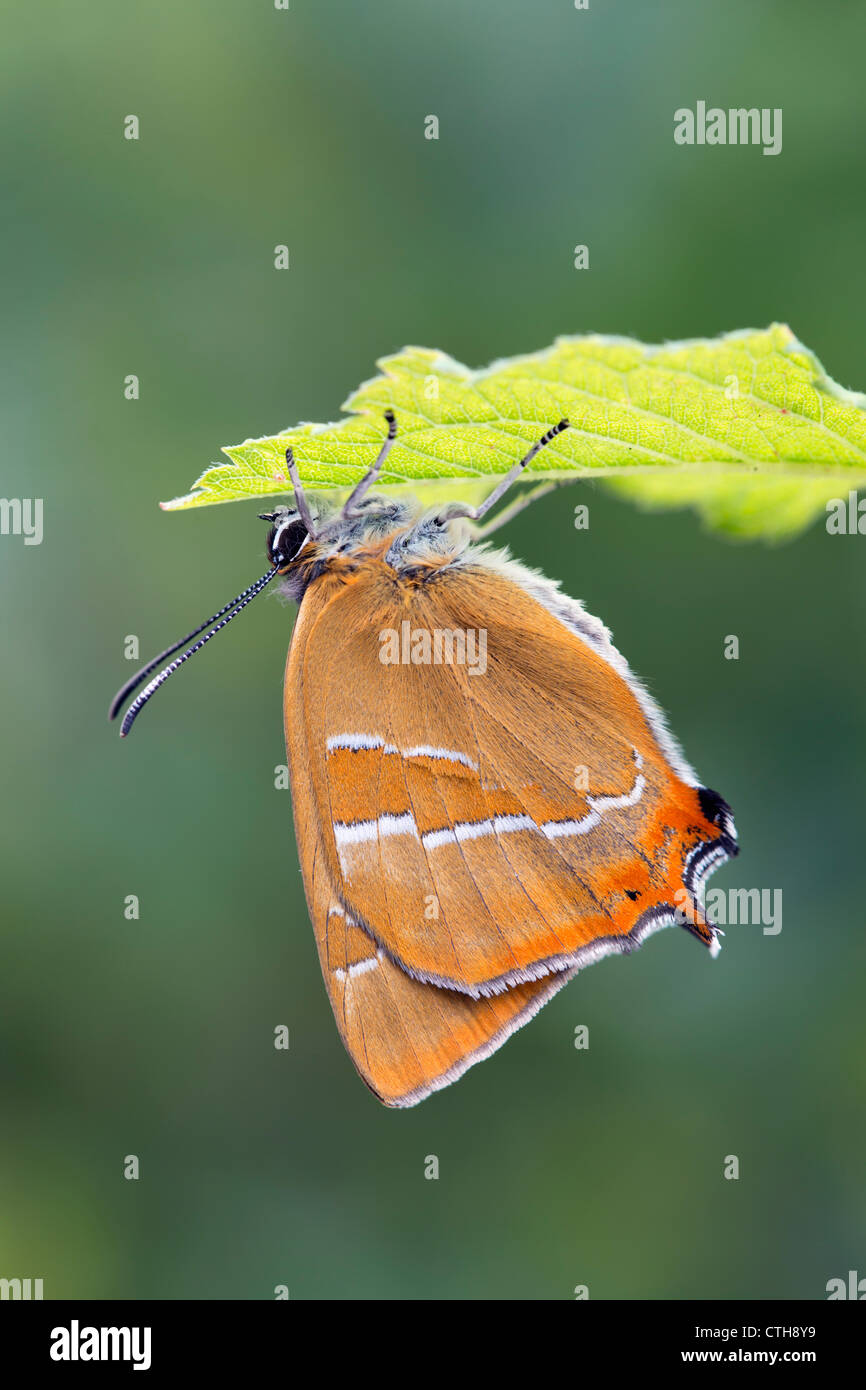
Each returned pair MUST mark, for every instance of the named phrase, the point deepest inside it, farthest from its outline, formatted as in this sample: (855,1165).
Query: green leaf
(747,428)
(739,505)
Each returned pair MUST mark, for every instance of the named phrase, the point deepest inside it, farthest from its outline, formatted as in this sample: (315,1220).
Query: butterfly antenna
(372,474)
(141,700)
(135,681)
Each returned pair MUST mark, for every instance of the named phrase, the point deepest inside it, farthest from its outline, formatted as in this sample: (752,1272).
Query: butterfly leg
(516,507)
(372,474)
(455,509)
(300,496)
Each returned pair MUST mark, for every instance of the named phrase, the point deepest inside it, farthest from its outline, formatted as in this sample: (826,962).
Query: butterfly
(486,799)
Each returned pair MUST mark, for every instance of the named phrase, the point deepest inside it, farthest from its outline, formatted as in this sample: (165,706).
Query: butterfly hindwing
(406,1038)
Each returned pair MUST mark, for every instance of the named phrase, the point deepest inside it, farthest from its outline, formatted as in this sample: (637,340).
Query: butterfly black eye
(284,541)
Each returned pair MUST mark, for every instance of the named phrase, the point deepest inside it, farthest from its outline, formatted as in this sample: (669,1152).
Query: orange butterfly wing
(486,829)
(405,1038)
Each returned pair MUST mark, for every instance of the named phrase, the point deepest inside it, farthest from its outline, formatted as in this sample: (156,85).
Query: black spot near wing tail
(718,812)
(709,855)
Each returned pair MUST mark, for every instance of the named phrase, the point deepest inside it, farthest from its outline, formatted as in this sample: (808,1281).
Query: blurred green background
(155,1037)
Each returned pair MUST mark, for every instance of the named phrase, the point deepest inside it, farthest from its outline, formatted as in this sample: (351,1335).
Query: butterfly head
(286,537)
(336,532)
